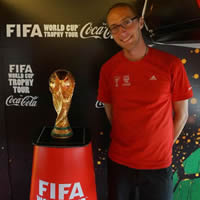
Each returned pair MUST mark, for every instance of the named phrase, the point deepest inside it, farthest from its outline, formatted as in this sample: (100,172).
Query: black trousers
(125,183)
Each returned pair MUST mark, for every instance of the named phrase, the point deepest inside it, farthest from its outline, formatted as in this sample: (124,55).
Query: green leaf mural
(187,187)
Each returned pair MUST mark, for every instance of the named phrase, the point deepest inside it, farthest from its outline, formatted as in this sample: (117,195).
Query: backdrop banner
(38,37)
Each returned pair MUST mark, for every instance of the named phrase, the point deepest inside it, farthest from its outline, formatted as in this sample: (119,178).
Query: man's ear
(141,22)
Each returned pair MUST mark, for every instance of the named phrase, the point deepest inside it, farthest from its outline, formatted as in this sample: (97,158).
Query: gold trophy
(61,85)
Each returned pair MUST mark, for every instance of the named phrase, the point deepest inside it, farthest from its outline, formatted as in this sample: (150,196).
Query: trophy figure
(61,85)
(58,160)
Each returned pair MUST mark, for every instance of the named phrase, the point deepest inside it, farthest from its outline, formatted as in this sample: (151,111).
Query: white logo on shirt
(126,80)
(153,78)
(117,78)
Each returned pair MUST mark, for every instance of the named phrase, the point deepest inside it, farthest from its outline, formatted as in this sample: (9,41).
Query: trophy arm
(57,104)
(63,112)
(62,85)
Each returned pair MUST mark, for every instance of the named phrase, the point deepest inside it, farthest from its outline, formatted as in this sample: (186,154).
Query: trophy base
(61,136)
(61,168)
(80,137)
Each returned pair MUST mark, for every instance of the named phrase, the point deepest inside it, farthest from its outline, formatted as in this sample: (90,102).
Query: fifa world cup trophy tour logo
(61,85)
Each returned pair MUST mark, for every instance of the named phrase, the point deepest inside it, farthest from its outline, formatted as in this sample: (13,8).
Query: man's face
(128,37)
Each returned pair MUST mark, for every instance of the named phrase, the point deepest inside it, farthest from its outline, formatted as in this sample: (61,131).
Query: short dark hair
(133,7)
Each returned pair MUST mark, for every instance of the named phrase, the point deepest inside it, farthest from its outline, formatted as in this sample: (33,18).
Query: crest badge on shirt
(116,79)
(125,80)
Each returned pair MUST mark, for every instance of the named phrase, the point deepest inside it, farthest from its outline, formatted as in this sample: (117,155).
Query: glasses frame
(115,28)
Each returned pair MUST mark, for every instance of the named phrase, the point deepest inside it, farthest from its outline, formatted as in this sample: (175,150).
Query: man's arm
(108,110)
(180,116)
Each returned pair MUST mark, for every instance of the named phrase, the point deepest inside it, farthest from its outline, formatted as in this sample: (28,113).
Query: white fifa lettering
(41,187)
(79,193)
(10,28)
(53,191)
(62,190)
(23,30)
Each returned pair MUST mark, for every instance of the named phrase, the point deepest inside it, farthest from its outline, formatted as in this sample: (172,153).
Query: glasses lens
(126,22)
(114,29)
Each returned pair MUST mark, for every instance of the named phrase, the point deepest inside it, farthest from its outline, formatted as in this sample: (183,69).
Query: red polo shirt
(141,94)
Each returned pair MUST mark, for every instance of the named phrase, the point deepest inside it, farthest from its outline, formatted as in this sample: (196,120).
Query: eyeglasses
(125,24)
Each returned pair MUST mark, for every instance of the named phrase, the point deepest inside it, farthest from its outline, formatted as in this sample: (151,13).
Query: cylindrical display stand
(63,170)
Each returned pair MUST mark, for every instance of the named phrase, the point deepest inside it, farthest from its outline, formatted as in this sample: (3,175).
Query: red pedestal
(63,171)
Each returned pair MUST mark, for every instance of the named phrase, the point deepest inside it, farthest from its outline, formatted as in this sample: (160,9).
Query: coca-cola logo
(99,104)
(97,32)
(27,101)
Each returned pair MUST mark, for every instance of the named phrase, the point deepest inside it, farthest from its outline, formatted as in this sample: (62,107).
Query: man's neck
(136,53)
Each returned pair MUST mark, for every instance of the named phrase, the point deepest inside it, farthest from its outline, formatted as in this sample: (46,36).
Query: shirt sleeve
(181,88)
(104,93)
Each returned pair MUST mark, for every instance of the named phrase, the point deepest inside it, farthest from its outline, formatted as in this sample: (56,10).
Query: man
(145,92)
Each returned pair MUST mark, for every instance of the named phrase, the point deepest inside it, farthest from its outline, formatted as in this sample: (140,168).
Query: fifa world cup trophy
(61,85)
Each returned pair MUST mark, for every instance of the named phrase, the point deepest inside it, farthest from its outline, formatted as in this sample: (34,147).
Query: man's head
(132,7)
(125,25)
